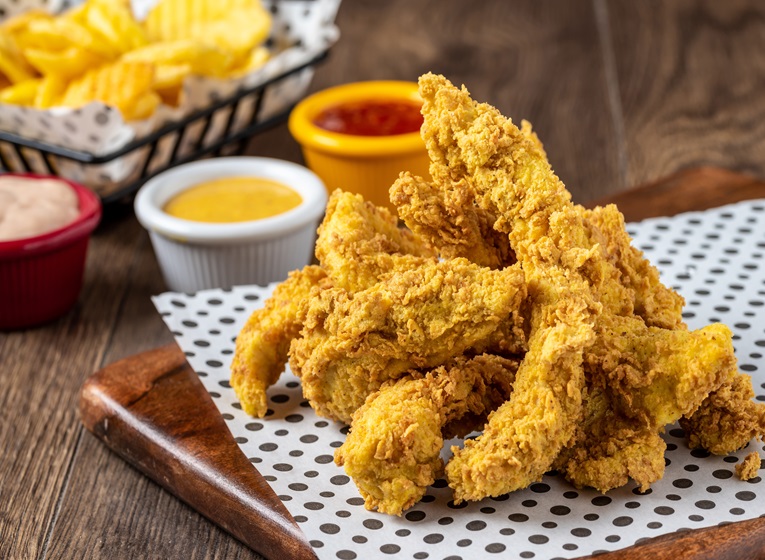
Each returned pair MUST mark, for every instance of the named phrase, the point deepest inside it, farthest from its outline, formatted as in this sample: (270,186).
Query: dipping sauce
(30,207)
(233,199)
(372,117)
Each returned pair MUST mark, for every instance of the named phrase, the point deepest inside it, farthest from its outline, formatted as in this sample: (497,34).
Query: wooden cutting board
(152,410)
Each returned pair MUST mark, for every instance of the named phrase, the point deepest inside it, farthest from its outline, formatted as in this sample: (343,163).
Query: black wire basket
(20,154)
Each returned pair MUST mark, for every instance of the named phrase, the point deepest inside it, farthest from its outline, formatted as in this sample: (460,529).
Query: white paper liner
(301,30)
(714,258)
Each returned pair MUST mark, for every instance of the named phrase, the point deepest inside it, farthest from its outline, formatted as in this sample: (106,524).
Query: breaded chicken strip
(450,221)
(727,419)
(651,300)
(654,376)
(447,216)
(640,379)
(263,342)
(611,449)
(393,450)
(524,435)
(351,343)
(358,242)
(565,250)
(513,180)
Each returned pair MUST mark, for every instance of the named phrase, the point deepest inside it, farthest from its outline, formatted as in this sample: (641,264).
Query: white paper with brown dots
(713,258)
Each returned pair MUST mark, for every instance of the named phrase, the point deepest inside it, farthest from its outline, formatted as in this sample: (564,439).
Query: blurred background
(620,92)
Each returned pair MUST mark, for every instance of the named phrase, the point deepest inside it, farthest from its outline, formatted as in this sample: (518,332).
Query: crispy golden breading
(263,343)
(450,221)
(611,449)
(727,419)
(358,242)
(351,343)
(651,300)
(393,450)
(524,435)
(655,376)
(749,468)
(640,379)
(513,180)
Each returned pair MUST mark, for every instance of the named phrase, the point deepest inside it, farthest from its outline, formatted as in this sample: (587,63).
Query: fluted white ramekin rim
(153,196)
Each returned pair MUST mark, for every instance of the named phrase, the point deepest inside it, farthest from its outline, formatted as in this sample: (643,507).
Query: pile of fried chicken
(502,307)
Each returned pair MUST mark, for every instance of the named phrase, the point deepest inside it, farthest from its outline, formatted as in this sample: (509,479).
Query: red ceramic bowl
(41,277)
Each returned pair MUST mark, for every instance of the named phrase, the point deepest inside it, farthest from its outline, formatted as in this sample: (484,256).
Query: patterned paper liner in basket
(94,146)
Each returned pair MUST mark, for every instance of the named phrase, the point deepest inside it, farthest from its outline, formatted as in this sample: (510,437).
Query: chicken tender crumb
(749,468)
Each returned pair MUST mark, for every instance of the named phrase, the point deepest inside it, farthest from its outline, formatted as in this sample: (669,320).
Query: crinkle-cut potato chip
(236,26)
(172,19)
(120,84)
(22,93)
(12,64)
(19,22)
(168,76)
(168,82)
(62,33)
(114,23)
(69,62)
(257,58)
(239,32)
(50,91)
(143,107)
(205,60)
(76,13)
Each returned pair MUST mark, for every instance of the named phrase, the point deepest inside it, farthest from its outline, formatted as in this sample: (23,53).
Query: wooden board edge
(152,410)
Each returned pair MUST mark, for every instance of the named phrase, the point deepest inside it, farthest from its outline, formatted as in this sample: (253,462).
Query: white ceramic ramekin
(196,255)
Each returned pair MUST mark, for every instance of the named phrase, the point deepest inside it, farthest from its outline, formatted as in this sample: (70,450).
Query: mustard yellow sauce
(233,199)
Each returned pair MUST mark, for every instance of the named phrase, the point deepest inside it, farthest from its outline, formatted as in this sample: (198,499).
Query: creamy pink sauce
(30,207)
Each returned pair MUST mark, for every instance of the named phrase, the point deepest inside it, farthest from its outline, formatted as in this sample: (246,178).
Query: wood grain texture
(41,374)
(153,410)
(699,188)
(111,510)
(691,76)
(738,541)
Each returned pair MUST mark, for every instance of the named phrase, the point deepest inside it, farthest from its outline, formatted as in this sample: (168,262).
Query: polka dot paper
(714,258)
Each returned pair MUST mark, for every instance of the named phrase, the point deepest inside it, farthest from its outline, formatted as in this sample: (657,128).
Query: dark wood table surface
(621,93)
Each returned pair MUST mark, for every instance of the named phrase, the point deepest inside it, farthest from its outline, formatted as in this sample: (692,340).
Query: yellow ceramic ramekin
(362,164)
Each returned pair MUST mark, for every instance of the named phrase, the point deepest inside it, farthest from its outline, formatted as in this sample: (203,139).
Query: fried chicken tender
(611,448)
(358,242)
(554,241)
(640,379)
(524,435)
(351,343)
(650,300)
(727,419)
(513,180)
(449,220)
(393,450)
(263,343)
(447,216)
(655,376)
